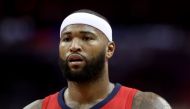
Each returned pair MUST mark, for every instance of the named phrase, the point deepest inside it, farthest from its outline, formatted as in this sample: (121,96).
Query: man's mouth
(75,59)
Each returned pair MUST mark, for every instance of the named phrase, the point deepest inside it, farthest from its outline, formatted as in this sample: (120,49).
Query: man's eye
(67,39)
(86,38)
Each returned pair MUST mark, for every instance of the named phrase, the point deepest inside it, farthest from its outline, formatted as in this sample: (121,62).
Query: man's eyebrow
(65,33)
(87,32)
(82,32)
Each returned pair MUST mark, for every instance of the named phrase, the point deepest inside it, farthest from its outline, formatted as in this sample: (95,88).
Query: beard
(89,73)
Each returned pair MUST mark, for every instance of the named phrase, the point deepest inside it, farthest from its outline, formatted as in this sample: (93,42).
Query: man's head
(85,46)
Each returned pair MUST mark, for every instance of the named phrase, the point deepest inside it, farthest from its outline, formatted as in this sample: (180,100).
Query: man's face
(82,53)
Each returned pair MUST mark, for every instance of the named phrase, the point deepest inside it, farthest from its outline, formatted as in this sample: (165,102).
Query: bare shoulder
(149,100)
(34,105)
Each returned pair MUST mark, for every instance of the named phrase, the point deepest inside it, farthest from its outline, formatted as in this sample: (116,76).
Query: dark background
(152,47)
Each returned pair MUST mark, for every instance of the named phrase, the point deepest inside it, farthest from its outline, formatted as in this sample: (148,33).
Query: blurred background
(152,47)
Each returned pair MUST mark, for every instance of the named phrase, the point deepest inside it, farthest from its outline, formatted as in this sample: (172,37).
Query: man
(85,47)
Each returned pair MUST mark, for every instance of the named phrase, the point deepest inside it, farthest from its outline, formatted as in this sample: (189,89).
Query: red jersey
(120,98)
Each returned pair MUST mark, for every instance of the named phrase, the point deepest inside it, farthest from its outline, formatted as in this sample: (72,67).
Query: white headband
(89,19)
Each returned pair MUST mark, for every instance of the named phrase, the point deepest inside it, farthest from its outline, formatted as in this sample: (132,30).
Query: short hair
(92,12)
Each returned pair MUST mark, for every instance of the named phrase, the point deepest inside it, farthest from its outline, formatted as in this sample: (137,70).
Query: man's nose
(75,46)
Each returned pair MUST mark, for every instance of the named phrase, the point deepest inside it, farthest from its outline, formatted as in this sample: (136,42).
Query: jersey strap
(51,102)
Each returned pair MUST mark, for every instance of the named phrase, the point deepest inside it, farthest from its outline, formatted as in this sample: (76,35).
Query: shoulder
(45,101)
(149,100)
(34,105)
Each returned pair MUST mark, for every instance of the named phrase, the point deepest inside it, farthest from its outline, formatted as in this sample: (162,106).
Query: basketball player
(85,48)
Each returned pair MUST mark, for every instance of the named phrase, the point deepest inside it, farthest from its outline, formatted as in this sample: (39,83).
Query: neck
(86,93)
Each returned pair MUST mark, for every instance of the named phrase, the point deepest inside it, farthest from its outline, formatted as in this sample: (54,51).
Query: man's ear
(110,49)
